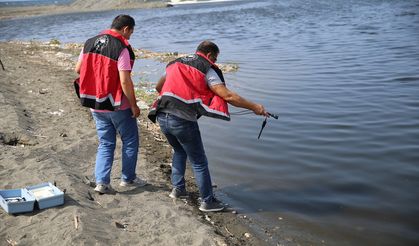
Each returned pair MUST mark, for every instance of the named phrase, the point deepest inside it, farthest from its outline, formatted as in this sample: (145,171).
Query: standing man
(194,86)
(106,87)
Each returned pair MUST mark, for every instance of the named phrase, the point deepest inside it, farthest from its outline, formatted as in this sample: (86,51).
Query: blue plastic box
(16,201)
(47,195)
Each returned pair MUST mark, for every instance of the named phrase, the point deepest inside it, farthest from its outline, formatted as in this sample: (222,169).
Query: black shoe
(212,206)
(176,193)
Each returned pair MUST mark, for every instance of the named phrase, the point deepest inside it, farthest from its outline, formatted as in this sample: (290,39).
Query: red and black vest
(100,85)
(186,86)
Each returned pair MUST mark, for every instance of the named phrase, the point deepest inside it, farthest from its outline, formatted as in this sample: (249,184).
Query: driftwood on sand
(2,66)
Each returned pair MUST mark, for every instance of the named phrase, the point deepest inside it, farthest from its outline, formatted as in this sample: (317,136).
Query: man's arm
(78,66)
(236,100)
(160,83)
(128,89)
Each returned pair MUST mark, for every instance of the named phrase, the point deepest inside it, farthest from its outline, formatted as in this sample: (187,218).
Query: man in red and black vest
(194,86)
(105,86)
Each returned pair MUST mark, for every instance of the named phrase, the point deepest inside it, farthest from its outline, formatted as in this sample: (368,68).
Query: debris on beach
(166,57)
(58,113)
(43,91)
(88,182)
(2,66)
(146,95)
(229,233)
(160,56)
(63,55)
(11,242)
(120,225)
(73,46)
(207,218)
(142,105)
(76,221)
(228,67)
(54,41)
(89,196)
(159,139)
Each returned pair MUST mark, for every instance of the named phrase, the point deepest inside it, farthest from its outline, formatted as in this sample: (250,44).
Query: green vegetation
(55,41)
(148,96)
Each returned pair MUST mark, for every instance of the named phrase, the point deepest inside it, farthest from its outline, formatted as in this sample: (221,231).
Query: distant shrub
(55,41)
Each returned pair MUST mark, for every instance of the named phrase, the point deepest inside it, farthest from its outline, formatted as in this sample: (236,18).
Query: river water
(15,3)
(341,164)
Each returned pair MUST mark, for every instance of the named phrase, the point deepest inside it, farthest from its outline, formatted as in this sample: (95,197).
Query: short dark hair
(122,21)
(207,46)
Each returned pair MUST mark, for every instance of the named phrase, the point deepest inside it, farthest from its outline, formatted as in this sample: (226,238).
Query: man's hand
(135,111)
(260,110)
(160,83)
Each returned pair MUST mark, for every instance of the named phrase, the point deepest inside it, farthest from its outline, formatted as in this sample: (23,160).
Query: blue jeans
(185,138)
(108,124)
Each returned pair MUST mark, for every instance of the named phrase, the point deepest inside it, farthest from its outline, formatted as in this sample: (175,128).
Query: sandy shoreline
(76,7)
(47,136)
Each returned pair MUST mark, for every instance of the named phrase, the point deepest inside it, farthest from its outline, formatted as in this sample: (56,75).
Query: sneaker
(103,189)
(176,193)
(137,182)
(213,206)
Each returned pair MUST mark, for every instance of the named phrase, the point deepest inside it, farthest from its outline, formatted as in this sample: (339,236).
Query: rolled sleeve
(212,78)
(124,61)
